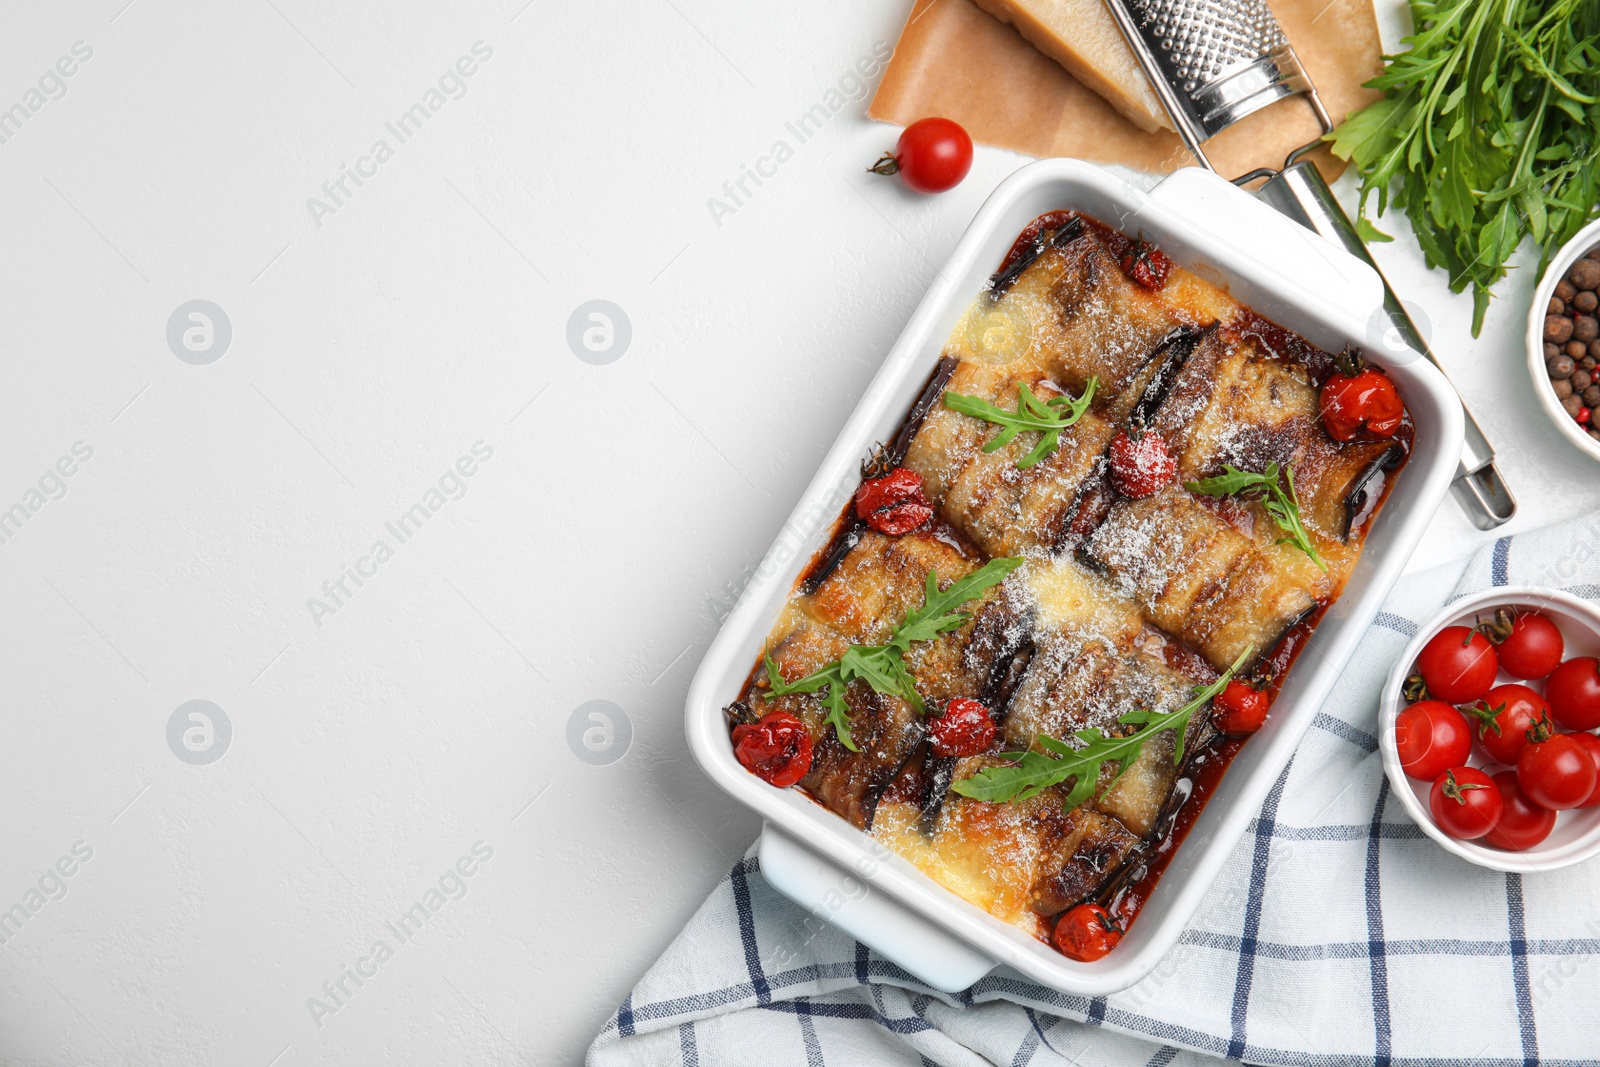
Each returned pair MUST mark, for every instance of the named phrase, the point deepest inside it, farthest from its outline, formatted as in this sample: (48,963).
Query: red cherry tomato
(1590,744)
(1573,690)
(1087,932)
(1522,823)
(1240,708)
(1431,737)
(894,504)
(1458,665)
(965,729)
(1533,648)
(1557,774)
(1141,464)
(776,749)
(1465,803)
(1147,265)
(1509,718)
(1360,401)
(931,156)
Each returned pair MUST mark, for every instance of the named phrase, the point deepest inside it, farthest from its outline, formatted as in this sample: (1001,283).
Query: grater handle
(1300,192)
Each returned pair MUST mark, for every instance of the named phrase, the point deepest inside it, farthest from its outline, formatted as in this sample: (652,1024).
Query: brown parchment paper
(955,60)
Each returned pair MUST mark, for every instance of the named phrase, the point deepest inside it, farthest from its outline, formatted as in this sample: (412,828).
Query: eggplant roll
(1003,509)
(1073,315)
(873,588)
(1093,660)
(1198,576)
(1233,403)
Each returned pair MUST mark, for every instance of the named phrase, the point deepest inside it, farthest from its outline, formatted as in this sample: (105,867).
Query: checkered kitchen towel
(1337,934)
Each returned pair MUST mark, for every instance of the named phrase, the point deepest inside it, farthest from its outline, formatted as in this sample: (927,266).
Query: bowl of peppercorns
(1564,339)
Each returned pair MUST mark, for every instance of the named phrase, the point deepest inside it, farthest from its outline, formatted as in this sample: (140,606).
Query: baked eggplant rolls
(1073,582)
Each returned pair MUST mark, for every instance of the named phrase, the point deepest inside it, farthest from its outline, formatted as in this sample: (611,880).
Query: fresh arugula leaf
(1282,504)
(1489,131)
(1370,233)
(883,667)
(1033,771)
(830,678)
(1047,417)
(938,609)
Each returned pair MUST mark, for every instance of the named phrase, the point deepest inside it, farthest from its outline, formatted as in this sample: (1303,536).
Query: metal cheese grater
(1212,62)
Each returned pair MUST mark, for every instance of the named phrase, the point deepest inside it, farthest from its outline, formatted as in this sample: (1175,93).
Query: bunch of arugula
(883,666)
(1283,504)
(1490,131)
(1047,417)
(1033,772)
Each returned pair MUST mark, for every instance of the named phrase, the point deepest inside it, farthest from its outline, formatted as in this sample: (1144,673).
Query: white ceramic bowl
(1577,833)
(1571,252)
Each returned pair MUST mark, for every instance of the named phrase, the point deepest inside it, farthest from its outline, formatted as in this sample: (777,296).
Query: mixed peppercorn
(1572,341)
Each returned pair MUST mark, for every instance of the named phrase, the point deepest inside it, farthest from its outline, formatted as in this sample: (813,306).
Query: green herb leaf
(832,679)
(1370,233)
(883,667)
(1489,132)
(1047,417)
(1033,772)
(1282,503)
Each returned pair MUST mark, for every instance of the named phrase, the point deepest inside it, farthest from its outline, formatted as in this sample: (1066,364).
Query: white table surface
(590,558)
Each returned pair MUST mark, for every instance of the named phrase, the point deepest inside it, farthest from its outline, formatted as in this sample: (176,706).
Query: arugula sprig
(1489,131)
(1035,771)
(1283,504)
(1047,417)
(883,666)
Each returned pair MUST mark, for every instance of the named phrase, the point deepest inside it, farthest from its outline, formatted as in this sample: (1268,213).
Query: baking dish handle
(845,899)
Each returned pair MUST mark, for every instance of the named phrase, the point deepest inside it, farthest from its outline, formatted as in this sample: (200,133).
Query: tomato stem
(1414,689)
(1496,629)
(740,713)
(1541,730)
(1350,362)
(1488,718)
(1453,789)
(887,165)
(877,464)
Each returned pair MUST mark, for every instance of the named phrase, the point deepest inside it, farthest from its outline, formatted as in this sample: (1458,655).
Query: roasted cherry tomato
(1590,744)
(1147,265)
(776,749)
(1458,665)
(1087,932)
(1509,718)
(931,156)
(1522,823)
(1573,690)
(1465,803)
(1359,401)
(1557,773)
(965,729)
(894,504)
(1140,463)
(1240,708)
(1527,644)
(1431,737)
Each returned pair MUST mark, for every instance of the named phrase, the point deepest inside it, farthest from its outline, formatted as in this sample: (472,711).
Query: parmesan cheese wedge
(1082,36)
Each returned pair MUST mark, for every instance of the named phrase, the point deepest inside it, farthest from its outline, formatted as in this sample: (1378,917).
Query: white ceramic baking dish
(1272,265)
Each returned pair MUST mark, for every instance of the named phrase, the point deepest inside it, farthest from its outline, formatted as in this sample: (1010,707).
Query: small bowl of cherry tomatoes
(1487,727)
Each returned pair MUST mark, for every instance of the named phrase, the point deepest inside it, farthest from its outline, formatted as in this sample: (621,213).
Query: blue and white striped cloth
(1338,934)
